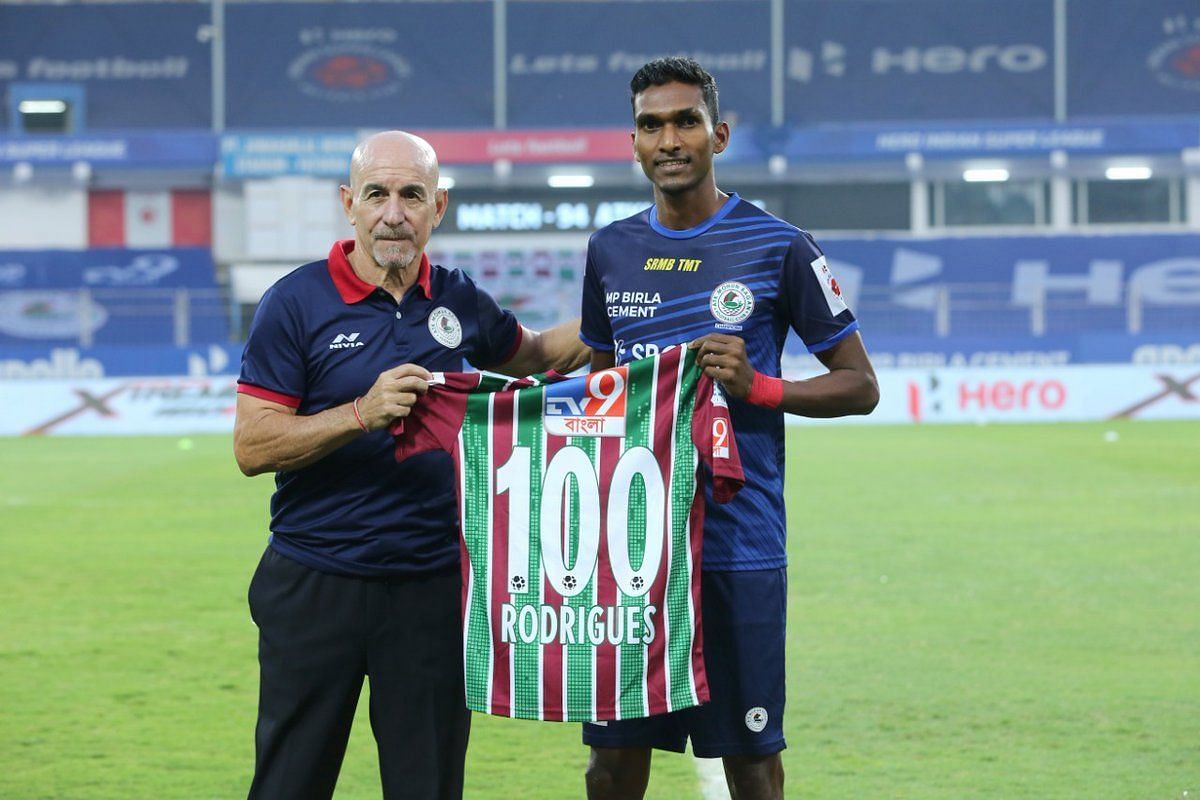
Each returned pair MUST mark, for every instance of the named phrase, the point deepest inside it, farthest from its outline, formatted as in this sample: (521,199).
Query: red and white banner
(179,218)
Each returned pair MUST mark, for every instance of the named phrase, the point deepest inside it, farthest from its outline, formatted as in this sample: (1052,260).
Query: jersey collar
(353,288)
(690,233)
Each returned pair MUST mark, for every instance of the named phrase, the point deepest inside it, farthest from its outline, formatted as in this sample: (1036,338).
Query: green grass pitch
(975,612)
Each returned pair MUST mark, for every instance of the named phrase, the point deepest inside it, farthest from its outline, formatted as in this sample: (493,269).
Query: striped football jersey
(581,517)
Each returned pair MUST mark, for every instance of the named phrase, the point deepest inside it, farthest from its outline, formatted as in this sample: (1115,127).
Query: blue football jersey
(741,272)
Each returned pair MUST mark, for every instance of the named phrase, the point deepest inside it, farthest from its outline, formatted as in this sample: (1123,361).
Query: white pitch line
(712,778)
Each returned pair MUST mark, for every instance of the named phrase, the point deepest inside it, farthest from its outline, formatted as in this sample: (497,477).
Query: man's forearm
(563,348)
(558,348)
(835,394)
(273,440)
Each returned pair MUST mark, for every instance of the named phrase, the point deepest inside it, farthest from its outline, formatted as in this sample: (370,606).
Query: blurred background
(1006,188)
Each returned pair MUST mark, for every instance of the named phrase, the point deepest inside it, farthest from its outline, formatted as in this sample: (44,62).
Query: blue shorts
(744,619)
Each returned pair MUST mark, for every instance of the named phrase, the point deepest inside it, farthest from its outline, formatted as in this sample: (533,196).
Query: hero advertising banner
(861,60)
(179,406)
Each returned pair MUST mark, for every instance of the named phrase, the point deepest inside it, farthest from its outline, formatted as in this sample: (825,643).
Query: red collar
(353,288)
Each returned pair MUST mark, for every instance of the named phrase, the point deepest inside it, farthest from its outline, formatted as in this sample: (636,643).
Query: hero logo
(803,65)
(936,398)
(916,278)
(345,341)
(948,59)
(599,410)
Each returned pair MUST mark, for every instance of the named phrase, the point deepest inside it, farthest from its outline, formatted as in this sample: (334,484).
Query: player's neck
(683,210)
(393,281)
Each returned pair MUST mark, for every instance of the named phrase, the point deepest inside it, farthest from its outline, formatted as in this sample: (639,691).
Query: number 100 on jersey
(581,519)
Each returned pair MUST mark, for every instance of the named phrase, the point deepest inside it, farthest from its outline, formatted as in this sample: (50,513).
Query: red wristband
(765,391)
(358,417)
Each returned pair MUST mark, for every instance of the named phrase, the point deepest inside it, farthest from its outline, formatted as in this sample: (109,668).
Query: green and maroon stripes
(639,427)
(527,656)
(476,514)
(504,455)
(682,616)
(579,658)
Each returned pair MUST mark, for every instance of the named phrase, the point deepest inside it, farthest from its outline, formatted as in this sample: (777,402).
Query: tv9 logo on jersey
(592,405)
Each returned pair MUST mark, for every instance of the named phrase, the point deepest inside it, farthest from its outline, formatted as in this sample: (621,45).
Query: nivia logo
(344,341)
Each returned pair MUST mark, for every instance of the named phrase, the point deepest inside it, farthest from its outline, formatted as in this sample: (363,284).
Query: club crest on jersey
(445,327)
(593,405)
(731,303)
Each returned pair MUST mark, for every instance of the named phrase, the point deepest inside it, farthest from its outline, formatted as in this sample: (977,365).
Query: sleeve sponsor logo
(597,410)
(720,431)
(829,286)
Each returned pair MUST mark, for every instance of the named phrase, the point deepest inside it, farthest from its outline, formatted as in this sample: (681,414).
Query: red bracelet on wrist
(358,417)
(765,391)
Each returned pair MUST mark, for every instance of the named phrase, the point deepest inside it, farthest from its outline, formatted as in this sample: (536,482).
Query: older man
(361,574)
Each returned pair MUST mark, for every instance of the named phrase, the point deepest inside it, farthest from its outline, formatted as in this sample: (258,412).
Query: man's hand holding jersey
(392,396)
(850,386)
(269,436)
(723,358)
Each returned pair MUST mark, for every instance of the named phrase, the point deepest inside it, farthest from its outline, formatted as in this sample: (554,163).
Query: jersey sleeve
(499,332)
(436,418)
(712,434)
(595,328)
(273,363)
(812,298)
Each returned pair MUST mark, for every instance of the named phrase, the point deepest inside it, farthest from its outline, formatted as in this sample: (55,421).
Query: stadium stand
(869,129)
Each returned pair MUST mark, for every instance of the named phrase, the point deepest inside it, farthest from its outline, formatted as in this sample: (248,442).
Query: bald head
(394,148)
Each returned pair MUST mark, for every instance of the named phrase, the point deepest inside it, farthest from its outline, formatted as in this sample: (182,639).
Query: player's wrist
(358,416)
(765,391)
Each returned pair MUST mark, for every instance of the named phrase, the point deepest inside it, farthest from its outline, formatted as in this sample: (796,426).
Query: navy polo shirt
(320,338)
